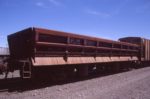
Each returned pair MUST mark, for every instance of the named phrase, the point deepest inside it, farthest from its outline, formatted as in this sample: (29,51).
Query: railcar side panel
(37,48)
(147,49)
(21,44)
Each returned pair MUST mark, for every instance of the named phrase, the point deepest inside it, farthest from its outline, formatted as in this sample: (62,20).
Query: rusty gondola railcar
(35,50)
(144,44)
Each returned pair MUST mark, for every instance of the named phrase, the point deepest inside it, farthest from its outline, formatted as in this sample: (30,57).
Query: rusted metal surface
(147,49)
(102,59)
(134,58)
(67,34)
(144,44)
(115,58)
(21,44)
(134,40)
(49,47)
(125,58)
(74,60)
(39,61)
(51,61)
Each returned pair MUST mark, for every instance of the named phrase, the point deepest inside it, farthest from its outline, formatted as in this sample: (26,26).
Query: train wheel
(100,68)
(70,72)
(82,71)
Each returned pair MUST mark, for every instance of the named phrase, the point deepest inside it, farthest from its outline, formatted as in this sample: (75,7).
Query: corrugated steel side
(115,58)
(134,58)
(147,49)
(49,61)
(4,51)
(103,59)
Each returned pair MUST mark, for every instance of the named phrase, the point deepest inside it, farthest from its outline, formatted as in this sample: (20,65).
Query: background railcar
(144,44)
(36,52)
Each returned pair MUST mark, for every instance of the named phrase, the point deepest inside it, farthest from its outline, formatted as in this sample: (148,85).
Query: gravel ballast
(134,84)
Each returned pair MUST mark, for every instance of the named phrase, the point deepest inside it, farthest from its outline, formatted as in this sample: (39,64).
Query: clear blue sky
(109,19)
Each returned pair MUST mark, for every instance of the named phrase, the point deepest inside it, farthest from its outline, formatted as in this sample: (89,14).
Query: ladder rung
(26,69)
(27,72)
(26,77)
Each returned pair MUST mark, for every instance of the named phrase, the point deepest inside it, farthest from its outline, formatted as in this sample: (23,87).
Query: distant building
(4,51)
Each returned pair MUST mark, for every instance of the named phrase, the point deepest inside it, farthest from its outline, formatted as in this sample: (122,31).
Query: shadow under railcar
(20,85)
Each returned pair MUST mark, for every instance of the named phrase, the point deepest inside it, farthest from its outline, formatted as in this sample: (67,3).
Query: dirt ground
(133,84)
